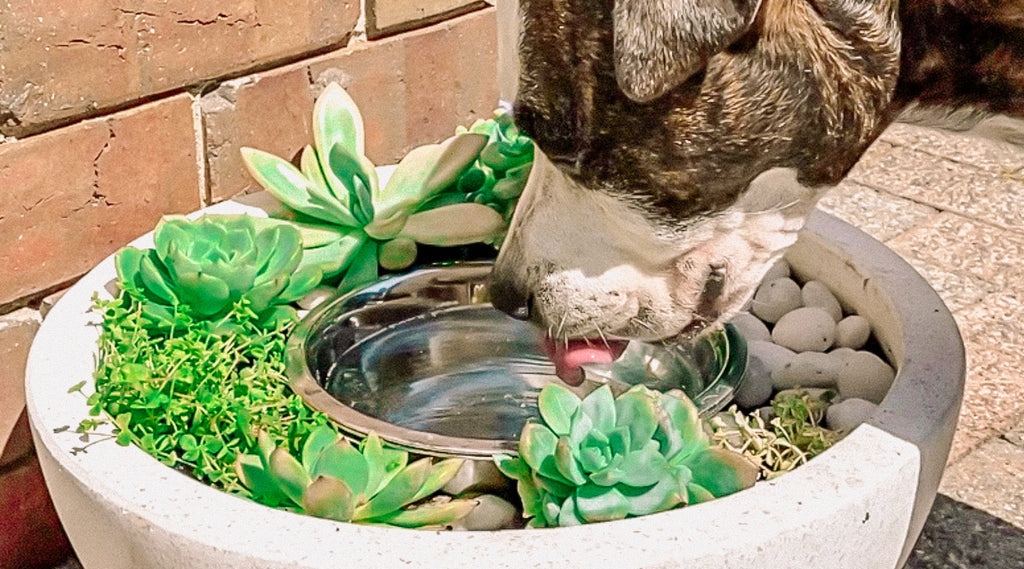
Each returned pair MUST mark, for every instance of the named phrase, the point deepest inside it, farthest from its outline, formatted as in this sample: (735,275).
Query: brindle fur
(808,85)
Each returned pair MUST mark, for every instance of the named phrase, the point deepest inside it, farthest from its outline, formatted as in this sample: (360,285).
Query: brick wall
(115,113)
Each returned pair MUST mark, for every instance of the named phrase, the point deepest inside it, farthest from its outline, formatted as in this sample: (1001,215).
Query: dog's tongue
(568,357)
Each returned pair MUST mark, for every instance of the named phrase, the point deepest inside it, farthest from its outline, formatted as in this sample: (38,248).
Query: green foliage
(336,480)
(194,397)
(203,268)
(606,458)
(335,192)
(792,437)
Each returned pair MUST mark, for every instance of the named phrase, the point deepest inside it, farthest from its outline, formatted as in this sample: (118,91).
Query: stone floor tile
(990,480)
(964,260)
(879,214)
(993,156)
(943,183)
(993,332)
(958,536)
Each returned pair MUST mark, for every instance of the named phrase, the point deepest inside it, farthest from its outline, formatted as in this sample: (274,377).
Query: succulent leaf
(600,503)
(357,182)
(341,460)
(428,515)
(599,406)
(399,491)
(441,473)
(289,474)
(362,268)
(288,184)
(451,225)
(557,406)
(321,437)
(721,472)
(330,498)
(397,254)
(337,120)
(636,411)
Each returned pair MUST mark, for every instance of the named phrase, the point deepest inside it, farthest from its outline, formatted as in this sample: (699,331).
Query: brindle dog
(691,138)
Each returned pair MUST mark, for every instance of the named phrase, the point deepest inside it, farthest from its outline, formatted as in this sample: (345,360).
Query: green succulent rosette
(353,225)
(606,458)
(367,484)
(203,268)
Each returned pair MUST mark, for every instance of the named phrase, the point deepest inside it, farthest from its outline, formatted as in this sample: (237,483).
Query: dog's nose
(511,299)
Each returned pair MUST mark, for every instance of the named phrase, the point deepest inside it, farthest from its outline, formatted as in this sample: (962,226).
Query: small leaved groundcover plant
(458,192)
(794,434)
(605,458)
(338,481)
(205,267)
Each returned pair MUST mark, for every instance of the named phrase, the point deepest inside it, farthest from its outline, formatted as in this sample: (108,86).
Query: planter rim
(916,411)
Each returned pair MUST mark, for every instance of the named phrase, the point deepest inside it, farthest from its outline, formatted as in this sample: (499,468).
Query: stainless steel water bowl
(427,363)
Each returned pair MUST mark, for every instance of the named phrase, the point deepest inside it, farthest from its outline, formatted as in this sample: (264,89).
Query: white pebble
(817,294)
(779,270)
(808,329)
(490,513)
(864,375)
(848,414)
(775,298)
(763,358)
(476,476)
(751,327)
(853,332)
(808,369)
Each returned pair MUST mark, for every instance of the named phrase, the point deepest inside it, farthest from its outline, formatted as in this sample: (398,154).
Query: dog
(683,143)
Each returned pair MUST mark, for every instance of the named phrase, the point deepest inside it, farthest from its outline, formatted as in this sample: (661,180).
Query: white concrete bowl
(860,505)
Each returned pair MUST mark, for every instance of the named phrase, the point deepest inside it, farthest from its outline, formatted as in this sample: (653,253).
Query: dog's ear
(660,43)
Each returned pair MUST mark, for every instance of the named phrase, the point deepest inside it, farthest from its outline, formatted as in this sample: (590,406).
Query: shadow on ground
(957,536)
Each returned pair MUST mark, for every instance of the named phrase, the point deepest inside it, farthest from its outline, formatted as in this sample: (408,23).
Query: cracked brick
(81,192)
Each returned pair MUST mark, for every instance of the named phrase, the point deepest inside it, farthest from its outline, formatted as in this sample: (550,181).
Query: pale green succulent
(606,458)
(204,267)
(336,480)
(362,225)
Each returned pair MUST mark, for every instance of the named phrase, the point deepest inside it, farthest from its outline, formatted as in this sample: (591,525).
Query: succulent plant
(204,267)
(336,480)
(606,458)
(498,176)
(353,225)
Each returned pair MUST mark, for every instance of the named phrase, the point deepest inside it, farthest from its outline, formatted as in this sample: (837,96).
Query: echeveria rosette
(203,268)
(499,174)
(606,458)
(362,224)
(336,480)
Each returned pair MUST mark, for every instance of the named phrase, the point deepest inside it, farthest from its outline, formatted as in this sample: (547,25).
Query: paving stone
(17,329)
(1015,436)
(993,332)
(989,479)
(957,536)
(981,152)
(81,192)
(963,260)
(387,16)
(942,183)
(879,214)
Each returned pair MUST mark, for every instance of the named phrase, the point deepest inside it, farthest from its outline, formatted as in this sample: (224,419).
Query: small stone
(815,293)
(491,513)
(763,358)
(808,369)
(766,413)
(751,327)
(853,332)
(808,329)
(476,476)
(864,375)
(779,270)
(848,414)
(775,298)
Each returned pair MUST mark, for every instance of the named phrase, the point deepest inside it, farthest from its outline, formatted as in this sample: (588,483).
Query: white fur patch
(596,267)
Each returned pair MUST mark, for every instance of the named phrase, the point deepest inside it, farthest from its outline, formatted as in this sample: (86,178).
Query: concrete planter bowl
(860,505)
